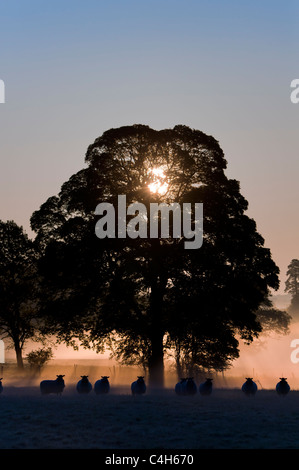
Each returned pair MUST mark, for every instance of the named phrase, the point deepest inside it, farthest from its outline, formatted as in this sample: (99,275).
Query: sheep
(190,387)
(102,385)
(1,386)
(180,386)
(206,387)
(282,387)
(186,387)
(138,387)
(52,386)
(249,387)
(84,386)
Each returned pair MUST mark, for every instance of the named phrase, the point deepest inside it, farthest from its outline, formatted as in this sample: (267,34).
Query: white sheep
(206,387)
(283,387)
(1,386)
(52,386)
(102,385)
(249,387)
(84,386)
(138,387)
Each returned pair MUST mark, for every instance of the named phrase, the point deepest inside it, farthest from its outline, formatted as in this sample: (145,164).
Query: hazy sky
(73,69)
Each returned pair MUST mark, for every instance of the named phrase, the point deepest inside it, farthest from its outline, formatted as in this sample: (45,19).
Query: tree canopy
(145,295)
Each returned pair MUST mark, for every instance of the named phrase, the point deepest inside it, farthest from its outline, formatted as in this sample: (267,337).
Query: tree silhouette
(38,358)
(292,285)
(144,295)
(274,320)
(19,310)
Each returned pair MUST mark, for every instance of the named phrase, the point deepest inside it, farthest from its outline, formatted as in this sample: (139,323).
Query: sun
(159,185)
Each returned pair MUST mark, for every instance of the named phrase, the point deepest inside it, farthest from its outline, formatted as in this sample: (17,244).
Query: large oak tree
(141,296)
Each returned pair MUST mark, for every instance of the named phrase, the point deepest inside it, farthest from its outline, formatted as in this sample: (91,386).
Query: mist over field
(157,420)
(266,359)
(225,420)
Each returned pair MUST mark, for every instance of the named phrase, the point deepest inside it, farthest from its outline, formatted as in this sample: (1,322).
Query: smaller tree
(292,285)
(19,288)
(37,359)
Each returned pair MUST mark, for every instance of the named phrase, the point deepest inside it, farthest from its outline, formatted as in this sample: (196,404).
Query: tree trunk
(19,357)
(178,362)
(156,335)
(156,361)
